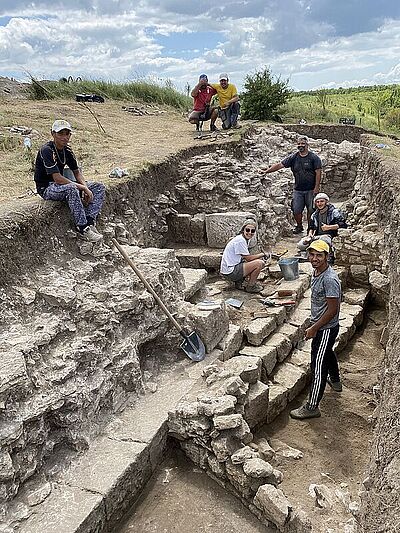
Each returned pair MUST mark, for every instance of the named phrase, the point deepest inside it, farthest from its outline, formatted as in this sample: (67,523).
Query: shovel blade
(193,347)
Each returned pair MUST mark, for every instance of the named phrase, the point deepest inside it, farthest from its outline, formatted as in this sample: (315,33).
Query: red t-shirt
(203,97)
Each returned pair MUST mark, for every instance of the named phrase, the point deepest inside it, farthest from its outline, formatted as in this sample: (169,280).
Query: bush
(262,95)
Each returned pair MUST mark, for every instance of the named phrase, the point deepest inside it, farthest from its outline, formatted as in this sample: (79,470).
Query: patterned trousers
(71,194)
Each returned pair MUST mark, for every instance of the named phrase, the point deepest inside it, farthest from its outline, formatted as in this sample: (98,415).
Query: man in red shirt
(202,110)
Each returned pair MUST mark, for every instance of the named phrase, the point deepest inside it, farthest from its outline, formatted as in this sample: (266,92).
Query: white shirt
(233,254)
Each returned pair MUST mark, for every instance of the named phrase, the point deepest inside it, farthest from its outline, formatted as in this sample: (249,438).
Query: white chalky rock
(257,468)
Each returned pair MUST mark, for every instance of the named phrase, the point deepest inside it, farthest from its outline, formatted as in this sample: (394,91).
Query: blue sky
(313,43)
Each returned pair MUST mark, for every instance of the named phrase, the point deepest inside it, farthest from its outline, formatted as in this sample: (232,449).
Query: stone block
(68,509)
(211,259)
(247,368)
(114,469)
(220,227)
(291,377)
(196,453)
(179,227)
(224,422)
(225,446)
(256,406)
(293,333)
(278,400)
(267,353)
(243,454)
(231,343)
(211,325)
(198,229)
(12,371)
(258,468)
(259,329)
(300,318)
(274,504)
(195,279)
(356,296)
(279,313)
(301,358)
(282,343)
(188,257)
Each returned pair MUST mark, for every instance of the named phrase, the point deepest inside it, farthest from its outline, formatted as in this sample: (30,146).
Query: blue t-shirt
(326,285)
(303,169)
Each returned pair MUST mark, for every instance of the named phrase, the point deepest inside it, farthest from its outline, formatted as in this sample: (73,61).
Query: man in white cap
(324,222)
(326,293)
(228,102)
(84,199)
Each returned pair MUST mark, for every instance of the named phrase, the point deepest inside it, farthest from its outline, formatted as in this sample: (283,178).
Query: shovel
(192,345)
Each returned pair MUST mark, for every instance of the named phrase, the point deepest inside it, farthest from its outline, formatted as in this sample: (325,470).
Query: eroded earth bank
(94,389)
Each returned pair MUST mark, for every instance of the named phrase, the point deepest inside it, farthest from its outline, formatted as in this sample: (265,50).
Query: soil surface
(182,498)
(129,142)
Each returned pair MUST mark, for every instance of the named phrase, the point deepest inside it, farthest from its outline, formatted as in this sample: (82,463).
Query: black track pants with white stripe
(323,363)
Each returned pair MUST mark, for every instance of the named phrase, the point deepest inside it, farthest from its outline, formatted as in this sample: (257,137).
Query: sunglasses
(248,230)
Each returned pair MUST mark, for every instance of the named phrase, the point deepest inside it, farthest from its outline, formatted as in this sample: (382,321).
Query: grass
(138,91)
(359,103)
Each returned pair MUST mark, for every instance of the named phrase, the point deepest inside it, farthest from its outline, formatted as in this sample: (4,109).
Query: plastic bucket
(289,268)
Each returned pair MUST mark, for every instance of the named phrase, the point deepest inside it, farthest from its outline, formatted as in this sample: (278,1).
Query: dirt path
(130,141)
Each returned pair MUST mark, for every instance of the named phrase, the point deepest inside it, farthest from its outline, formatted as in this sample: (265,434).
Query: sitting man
(228,102)
(324,223)
(202,109)
(237,263)
(84,199)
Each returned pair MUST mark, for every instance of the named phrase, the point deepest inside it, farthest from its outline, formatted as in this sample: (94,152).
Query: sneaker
(303,412)
(88,234)
(255,288)
(335,385)
(297,229)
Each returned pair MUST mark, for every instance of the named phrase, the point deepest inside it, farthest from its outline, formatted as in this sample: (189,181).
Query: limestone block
(257,468)
(249,202)
(279,313)
(236,387)
(243,433)
(195,279)
(345,334)
(198,229)
(380,287)
(219,405)
(231,343)
(293,378)
(356,296)
(300,318)
(282,344)
(225,446)
(188,257)
(355,311)
(284,450)
(243,454)
(179,226)
(264,449)
(256,406)
(300,523)
(211,325)
(299,285)
(301,358)
(239,480)
(247,368)
(278,400)
(220,227)
(224,422)
(293,333)
(359,273)
(211,259)
(267,354)
(216,466)
(274,505)
(257,330)
(6,466)
(196,453)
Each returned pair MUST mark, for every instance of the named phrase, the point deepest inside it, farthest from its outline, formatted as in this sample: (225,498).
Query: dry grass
(130,141)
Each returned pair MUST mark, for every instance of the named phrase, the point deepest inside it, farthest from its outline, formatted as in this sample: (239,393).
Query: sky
(311,43)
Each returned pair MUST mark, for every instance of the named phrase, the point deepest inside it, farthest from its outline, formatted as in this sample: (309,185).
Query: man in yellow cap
(326,295)
(229,107)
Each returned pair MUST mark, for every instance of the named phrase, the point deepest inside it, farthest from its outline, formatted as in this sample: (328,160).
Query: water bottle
(27,143)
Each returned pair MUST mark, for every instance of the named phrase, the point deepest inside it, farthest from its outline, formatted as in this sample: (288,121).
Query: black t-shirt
(49,161)
(303,169)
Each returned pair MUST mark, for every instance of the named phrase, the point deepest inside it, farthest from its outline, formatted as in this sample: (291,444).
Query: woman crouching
(237,263)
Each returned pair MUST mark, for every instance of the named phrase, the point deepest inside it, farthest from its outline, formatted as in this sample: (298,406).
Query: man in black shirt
(85,199)
(306,167)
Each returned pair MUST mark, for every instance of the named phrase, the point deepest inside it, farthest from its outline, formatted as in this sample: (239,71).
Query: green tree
(379,105)
(263,95)
(322,96)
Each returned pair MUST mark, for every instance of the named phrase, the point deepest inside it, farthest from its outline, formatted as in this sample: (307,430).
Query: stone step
(289,377)
(195,279)
(200,257)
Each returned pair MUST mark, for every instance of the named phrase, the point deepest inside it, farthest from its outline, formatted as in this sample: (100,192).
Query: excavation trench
(92,367)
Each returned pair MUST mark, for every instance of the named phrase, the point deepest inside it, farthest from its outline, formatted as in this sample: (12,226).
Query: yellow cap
(319,246)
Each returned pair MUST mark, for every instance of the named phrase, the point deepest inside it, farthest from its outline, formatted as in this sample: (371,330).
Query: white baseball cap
(59,125)
(223,76)
(321,196)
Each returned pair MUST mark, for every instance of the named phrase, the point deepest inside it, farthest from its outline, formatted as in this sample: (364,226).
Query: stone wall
(336,133)
(380,186)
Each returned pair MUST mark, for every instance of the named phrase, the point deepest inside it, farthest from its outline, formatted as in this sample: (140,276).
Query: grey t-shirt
(326,285)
